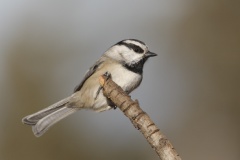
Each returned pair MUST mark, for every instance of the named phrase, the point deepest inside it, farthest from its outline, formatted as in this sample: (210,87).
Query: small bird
(124,61)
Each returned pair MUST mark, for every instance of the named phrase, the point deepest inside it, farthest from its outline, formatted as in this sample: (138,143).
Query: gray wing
(88,74)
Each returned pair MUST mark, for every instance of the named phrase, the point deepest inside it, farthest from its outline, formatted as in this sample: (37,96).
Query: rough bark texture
(139,119)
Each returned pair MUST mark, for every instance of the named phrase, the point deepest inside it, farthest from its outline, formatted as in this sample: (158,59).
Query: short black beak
(150,54)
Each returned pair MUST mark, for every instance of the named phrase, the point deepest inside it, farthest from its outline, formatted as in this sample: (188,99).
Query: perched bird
(124,61)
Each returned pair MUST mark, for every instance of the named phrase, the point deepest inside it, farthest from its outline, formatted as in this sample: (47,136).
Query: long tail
(42,120)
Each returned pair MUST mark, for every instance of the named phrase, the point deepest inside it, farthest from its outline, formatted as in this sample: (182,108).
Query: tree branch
(139,119)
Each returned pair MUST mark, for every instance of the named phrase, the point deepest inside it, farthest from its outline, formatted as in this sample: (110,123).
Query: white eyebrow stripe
(143,46)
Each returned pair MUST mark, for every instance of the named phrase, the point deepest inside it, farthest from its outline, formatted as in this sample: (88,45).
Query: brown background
(191,90)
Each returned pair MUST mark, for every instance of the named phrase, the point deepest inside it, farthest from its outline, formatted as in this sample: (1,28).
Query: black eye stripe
(134,47)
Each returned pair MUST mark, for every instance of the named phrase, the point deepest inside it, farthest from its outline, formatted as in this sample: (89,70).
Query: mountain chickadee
(124,61)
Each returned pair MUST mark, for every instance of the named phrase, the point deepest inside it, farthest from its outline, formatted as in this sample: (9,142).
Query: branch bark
(139,119)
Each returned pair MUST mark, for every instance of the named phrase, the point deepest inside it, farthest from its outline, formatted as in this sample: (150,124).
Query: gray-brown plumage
(124,61)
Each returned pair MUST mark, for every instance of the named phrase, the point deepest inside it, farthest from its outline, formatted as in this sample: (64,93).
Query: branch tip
(102,80)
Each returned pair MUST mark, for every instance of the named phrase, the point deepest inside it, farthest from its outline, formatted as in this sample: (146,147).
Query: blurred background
(191,90)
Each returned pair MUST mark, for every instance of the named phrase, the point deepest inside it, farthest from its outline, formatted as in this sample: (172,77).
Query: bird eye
(136,50)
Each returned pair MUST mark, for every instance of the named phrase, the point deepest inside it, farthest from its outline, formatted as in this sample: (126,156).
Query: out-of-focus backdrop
(191,89)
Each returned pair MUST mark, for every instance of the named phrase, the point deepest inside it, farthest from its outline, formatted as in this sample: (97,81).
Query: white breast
(126,79)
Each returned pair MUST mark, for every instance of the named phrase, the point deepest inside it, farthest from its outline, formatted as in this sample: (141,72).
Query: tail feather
(46,122)
(34,118)
(42,120)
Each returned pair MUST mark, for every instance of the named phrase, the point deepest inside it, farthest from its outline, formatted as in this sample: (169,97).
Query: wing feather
(88,74)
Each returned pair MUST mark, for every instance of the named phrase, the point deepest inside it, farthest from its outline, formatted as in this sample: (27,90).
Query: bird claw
(107,75)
